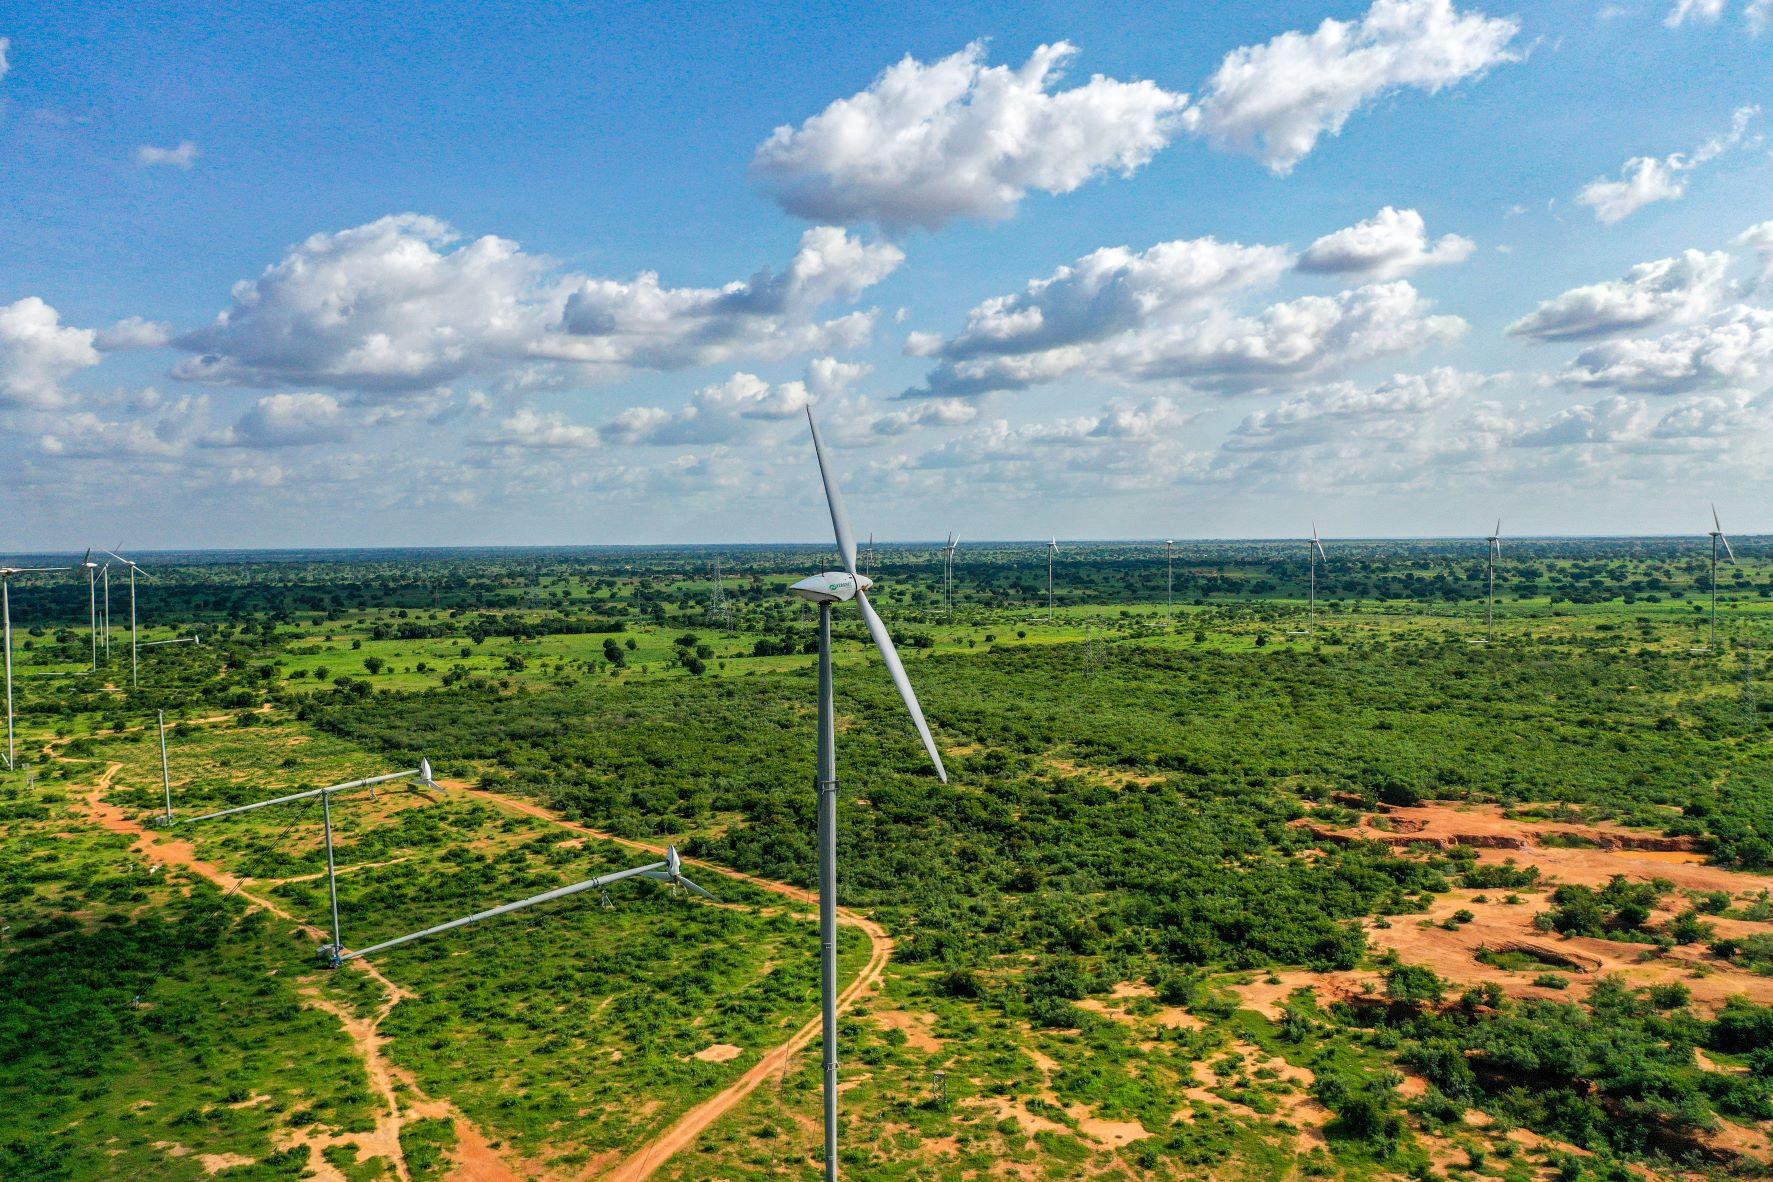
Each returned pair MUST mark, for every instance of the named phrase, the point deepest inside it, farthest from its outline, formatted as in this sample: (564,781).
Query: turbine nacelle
(832,586)
(672,874)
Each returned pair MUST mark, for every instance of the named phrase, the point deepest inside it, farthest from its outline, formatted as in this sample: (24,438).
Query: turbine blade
(1728,553)
(706,894)
(840,520)
(1714,518)
(889,654)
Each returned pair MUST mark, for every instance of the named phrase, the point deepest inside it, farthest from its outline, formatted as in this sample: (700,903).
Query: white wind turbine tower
(1170,573)
(1052,549)
(1717,537)
(133,571)
(827,590)
(1495,555)
(105,578)
(91,599)
(6,573)
(948,573)
(1314,553)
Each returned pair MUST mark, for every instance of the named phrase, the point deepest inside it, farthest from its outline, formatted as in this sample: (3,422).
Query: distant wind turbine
(1495,555)
(133,638)
(1314,553)
(6,573)
(1717,539)
(1052,549)
(948,573)
(1170,572)
(91,600)
(827,590)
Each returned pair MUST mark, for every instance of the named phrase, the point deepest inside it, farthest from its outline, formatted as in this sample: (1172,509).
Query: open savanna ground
(1203,897)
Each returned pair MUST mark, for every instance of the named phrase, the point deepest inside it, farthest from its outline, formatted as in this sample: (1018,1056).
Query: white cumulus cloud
(402,304)
(1275,100)
(1731,347)
(531,430)
(1684,287)
(718,413)
(1645,180)
(38,352)
(639,322)
(1109,291)
(1329,413)
(955,138)
(1210,344)
(133,332)
(1760,240)
(1391,243)
(288,420)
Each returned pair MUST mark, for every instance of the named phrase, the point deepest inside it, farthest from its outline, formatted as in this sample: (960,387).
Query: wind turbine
(105,578)
(868,550)
(1495,555)
(1717,536)
(948,573)
(133,571)
(1170,579)
(6,573)
(91,599)
(1052,549)
(826,590)
(672,873)
(1313,555)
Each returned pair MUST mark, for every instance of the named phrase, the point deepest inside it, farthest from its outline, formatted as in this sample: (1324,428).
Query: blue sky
(491,370)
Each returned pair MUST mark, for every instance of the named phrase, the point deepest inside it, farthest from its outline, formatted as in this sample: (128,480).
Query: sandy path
(475,1159)
(682,1134)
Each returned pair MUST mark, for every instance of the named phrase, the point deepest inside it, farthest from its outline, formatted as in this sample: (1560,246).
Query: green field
(1118,931)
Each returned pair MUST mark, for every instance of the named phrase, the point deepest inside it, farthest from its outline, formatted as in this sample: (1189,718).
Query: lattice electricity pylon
(1095,653)
(718,608)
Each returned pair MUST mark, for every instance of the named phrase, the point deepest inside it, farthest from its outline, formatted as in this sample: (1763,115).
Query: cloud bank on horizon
(1386,351)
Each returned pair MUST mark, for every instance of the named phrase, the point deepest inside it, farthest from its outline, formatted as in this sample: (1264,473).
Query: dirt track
(475,1158)
(644,1162)
(477,1162)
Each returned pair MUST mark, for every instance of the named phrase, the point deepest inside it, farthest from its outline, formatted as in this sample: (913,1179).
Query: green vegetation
(1094,922)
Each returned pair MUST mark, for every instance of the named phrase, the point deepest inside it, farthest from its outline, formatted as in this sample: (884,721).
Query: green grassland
(1074,913)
